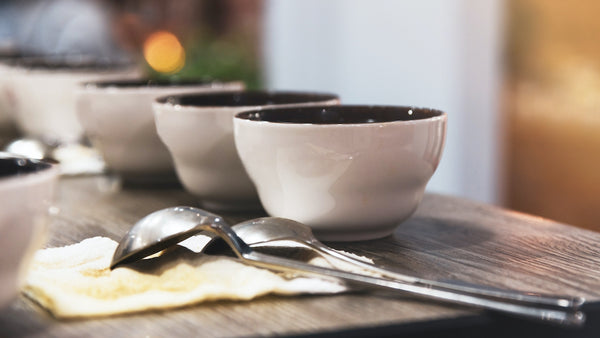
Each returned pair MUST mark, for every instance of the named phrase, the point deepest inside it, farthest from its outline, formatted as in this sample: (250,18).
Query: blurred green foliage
(218,59)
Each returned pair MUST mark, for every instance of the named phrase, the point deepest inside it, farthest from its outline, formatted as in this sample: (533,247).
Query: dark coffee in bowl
(246,98)
(135,83)
(339,114)
(11,166)
(72,63)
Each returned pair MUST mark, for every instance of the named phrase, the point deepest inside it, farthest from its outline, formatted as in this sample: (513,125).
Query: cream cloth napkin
(75,280)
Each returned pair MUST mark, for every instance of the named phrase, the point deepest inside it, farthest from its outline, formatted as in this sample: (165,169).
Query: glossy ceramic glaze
(198,131)
(44,96)
(349,172)
(117,117)
(26,194)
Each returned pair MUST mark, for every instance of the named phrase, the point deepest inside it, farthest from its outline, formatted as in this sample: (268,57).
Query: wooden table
(448,239)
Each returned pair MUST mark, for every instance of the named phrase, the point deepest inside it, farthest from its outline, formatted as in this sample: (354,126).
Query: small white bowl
(349,172)
(198,131)
(26,194)
(118,119)
(44,95)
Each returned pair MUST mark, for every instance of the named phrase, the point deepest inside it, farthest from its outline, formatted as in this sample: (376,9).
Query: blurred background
(519,79)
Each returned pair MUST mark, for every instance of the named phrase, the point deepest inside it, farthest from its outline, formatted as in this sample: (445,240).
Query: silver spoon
(167,227)
(269,231)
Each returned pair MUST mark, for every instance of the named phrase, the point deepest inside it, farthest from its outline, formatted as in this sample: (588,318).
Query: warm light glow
(163,52)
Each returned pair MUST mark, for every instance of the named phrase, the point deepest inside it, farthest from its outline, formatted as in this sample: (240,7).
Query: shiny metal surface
(160,230)
(29,147)
(270,230)
(167,227)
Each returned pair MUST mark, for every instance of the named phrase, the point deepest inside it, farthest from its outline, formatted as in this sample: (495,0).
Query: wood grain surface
(447,239)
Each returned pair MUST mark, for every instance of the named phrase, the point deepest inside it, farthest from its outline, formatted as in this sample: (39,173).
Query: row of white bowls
(349,172)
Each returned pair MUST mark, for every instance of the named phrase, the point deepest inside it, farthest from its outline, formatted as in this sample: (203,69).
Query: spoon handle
(526,298)
(544,314)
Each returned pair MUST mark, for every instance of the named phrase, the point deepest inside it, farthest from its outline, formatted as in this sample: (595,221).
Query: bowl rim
(62,63)
(436,115)
(261,98)
(123,84)
(48,171)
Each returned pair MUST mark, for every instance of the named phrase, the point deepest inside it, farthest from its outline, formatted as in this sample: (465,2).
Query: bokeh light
(164,53)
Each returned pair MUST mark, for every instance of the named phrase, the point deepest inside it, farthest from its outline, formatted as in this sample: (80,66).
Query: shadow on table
(488,325)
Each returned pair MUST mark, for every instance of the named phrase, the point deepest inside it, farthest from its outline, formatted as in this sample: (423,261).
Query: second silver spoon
(269,231)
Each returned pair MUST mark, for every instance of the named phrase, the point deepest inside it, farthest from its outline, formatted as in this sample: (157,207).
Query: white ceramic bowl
(349,172)
(44,96)
(118,119)
(198,131)
(26,194)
